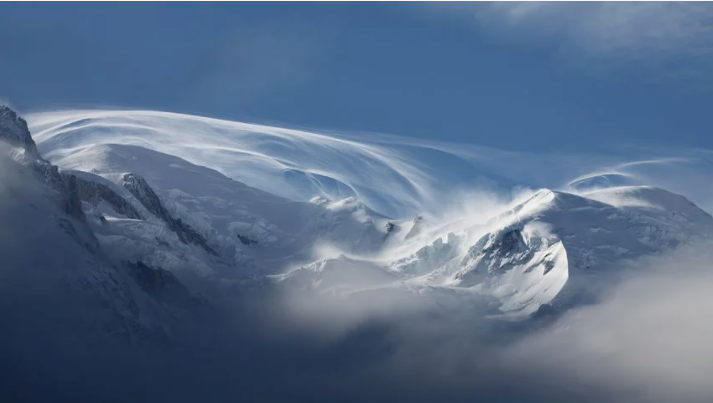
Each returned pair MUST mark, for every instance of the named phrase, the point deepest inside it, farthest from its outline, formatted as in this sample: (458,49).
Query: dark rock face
(509,243)
(94,192)
(150,200)
(391,228)
(74,202)
(504,252)
(47,174)
(493,254)
(14,131)
(160,284)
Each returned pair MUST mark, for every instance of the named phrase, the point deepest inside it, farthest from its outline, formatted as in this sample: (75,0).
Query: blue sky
(536,77)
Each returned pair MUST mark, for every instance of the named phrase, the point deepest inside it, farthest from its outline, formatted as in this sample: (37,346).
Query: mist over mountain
(154,256)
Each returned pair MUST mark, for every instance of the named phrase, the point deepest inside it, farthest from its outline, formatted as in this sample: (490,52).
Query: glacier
(138,225)
(244,204)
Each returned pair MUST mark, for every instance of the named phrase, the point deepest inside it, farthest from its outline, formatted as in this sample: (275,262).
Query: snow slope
(555,248)
(685,172)
(230,225)
(235,200)
(294,164)
(56,277)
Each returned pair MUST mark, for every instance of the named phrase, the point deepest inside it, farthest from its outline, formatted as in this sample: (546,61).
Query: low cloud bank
(648,339)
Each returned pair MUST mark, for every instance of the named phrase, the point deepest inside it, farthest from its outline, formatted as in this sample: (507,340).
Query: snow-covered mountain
(244,204)
(129,252)
(164,210)
(555,248)
(135,212)
(56,268)
(294,164)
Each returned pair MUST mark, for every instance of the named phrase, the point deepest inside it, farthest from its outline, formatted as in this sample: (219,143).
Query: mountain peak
(14,130)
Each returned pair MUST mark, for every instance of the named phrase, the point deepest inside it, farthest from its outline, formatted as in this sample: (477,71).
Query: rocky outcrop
(14,131)
(160,284)
(390,228)
(138,187)
(493,254)
(73,205)
(94,192)
(47,174)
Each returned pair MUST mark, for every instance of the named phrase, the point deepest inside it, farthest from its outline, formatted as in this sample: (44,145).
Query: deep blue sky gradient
(393,68)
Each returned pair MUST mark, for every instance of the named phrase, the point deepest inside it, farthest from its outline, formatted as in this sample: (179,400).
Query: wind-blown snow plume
(291,163)
(396,308)
(388,173)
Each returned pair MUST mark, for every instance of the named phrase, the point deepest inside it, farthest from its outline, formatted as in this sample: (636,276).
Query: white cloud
(647,341)
(614,27)
(615,32)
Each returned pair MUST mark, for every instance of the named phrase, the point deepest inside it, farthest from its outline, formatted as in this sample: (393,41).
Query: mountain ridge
(163,210)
